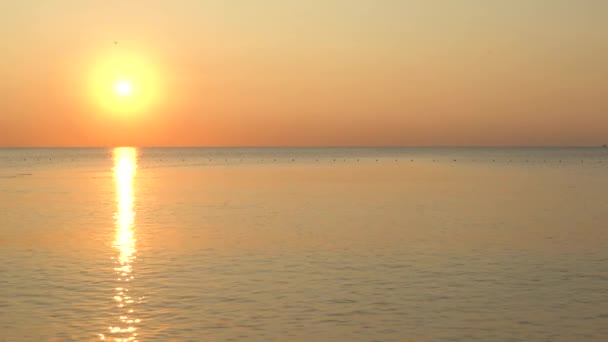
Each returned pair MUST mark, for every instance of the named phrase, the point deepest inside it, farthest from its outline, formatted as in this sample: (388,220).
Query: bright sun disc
(123,83)
(123,88)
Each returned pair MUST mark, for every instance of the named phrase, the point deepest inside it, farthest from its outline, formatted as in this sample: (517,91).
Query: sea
(304,244)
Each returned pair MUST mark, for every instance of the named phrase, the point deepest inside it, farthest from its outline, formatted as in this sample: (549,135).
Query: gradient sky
(291,72)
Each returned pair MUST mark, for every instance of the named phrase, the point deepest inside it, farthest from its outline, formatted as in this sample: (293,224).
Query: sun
(123,88)
(125,84)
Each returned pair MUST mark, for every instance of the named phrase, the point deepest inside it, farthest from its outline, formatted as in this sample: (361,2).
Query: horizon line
(311,146)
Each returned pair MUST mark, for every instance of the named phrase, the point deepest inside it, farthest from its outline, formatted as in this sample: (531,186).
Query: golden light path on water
(125,167)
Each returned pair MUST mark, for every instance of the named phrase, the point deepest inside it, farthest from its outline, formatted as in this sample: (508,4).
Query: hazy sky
(292,72)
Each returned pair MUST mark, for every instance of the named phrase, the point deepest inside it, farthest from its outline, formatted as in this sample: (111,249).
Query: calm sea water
(392,244)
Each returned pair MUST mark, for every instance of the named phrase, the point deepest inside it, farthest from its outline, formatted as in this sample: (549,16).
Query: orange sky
(288,72)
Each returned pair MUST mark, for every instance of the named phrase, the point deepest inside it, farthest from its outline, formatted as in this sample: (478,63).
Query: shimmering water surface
(392,244)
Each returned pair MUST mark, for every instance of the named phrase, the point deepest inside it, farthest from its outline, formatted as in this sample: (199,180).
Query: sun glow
(125,84)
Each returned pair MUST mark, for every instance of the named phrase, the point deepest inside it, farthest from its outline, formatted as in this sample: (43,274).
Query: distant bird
(115,42)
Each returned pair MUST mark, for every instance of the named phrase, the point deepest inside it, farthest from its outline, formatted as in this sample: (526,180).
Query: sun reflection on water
(125,166)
